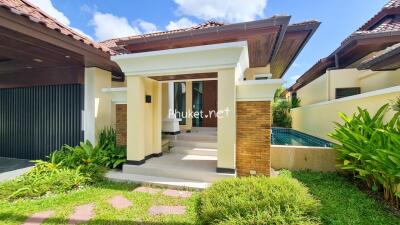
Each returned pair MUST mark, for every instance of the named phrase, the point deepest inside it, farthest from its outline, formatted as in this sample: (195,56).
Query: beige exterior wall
(316,91)
(303,158)
(99,112)
(143,119)
(317,119)
(324,88)
(371,81)
(226,124)
(250,73)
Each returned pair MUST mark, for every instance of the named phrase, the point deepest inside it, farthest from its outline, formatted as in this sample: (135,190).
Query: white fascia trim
(119,89)
(202,69)
(260,82)
(355,97)
(184,80)
(254,100)
(238,44)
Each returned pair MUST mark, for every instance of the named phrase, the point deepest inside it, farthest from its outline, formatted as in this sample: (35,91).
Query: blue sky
(103,19)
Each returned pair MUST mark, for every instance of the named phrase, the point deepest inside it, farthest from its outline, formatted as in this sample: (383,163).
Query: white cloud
(107,26)
(179,24)
(228,10)
(146,26)
(48,7)
(294,78)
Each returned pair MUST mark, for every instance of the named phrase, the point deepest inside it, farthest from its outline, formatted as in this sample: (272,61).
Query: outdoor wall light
(38,60)
(148,98)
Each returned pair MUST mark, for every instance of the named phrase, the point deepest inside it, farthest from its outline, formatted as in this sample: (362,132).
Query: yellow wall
(302,158)
(250,73)
(227,124)
(344,78)
(378,80)
(98,105)
(317,119)
(324,87)
(143,119)
(316,91)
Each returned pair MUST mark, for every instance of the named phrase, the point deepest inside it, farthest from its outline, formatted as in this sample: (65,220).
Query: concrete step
(187,167)
(194,151)
(165,182)
(204,129)
(194,144)
(197,137)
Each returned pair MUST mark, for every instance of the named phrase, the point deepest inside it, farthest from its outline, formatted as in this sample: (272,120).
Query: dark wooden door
(210,93)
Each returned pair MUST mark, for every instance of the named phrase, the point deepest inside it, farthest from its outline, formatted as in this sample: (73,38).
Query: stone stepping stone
(38,218)
(82,214)
(120,202)
(148,190)
(167,210)
(176,193)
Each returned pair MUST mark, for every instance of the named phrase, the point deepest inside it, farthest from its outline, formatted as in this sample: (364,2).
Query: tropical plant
(44,179)
(258,200)
(396,104)
(112,156)
(369,147)
(86,157)
(281,114)
(295,102)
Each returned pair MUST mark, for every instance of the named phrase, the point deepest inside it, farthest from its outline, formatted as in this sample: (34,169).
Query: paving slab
(177,193)
(148,190)
(167,210)
(38,218)
(120,202)
(82,213)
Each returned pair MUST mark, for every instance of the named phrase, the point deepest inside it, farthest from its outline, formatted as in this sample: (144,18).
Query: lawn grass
(63,205)
(343,203)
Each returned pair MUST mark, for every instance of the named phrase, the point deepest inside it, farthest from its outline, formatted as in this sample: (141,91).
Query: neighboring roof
(378,33)
(388,59)
(119,49)
(26,9)
(270,40)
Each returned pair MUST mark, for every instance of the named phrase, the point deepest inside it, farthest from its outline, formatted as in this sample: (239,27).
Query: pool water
(286,136)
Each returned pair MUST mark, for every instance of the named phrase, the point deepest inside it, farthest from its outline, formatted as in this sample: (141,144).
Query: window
(262,76)
(345,92)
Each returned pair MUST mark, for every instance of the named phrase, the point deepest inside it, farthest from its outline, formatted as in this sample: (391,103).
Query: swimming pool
(286,136)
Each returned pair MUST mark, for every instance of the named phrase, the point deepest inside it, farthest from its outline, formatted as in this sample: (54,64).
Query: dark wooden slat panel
(38,120)
(186,76)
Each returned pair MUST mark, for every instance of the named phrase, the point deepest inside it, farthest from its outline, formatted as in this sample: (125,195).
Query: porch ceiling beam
(192,76)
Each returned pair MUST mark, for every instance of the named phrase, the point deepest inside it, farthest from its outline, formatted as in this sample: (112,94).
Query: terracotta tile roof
(26,9)
(112,43)
(388,19)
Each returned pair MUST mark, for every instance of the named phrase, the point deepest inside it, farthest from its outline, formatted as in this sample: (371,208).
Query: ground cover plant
(369,148)
(258,200)
(343,203)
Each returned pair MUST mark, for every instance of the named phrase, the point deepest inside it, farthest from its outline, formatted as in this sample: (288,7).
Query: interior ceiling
(19,52)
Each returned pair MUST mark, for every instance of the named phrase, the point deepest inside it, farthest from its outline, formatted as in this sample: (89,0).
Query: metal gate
(35,121)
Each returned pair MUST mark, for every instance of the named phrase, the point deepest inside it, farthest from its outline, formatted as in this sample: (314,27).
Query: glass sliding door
(197,96)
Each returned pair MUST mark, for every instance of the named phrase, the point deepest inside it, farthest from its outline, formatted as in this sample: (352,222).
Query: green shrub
(258,200)
(45,178)
(281,114)
(112,156)
(370,149)
(86,157)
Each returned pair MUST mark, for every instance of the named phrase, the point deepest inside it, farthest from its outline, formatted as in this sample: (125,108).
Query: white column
(171,123)
(171,97)
(227,122)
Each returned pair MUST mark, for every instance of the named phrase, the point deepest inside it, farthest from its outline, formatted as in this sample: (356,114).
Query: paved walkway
(11,168)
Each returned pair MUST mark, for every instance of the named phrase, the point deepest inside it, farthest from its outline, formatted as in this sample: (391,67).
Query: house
(363,71)
(233,69)
(58,87)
